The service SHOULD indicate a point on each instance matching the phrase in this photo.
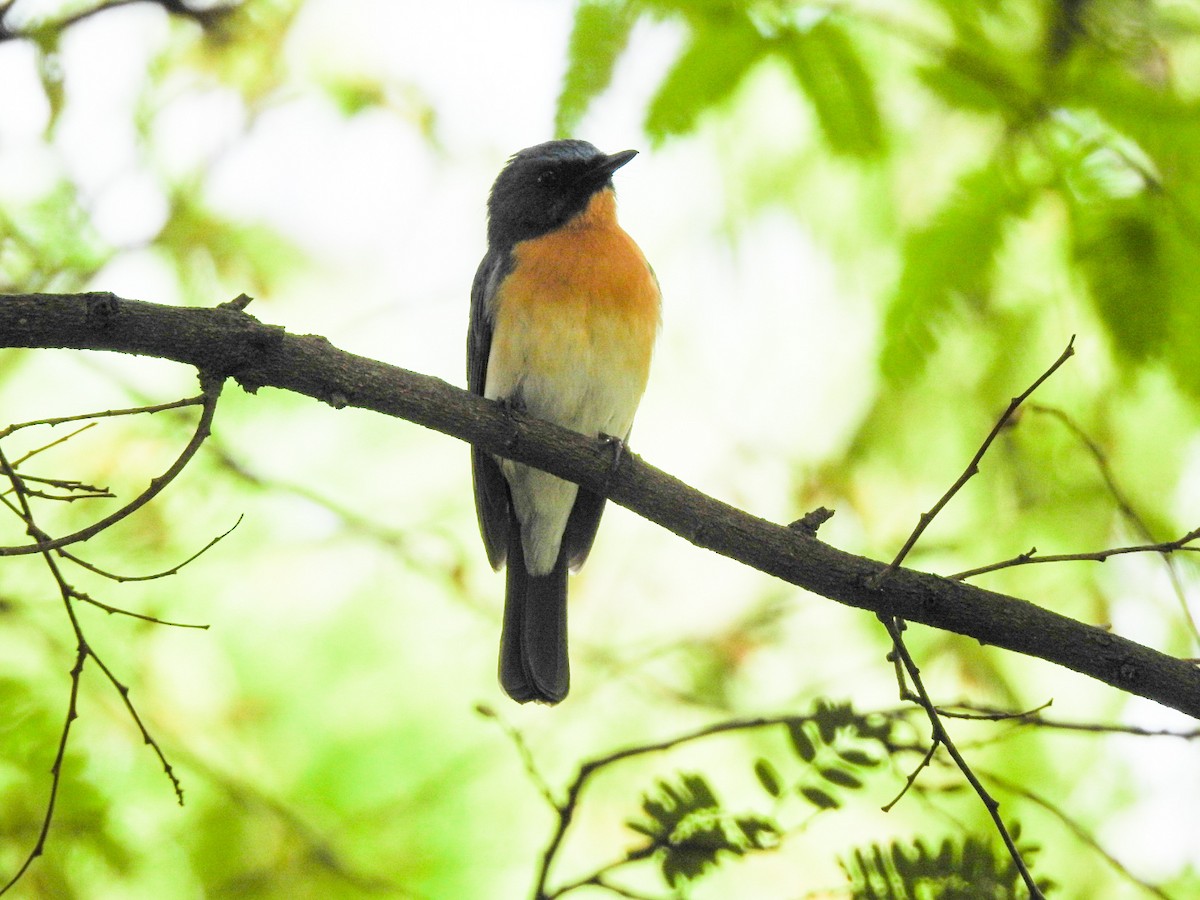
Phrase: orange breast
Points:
(582, 298)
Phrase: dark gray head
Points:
(544, 186)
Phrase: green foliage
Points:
(833, 743)
(831, 73)
(948, 262)
(725, 42)
(223, 52)
(206, 246)
(720, 52)
(967, 869)
(598, 38)
(690, 828)
(686, 824)
(1033, 73)
(49, 243)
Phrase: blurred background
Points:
(873, 223)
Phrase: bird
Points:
(565, 311)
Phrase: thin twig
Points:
(1075, 828)
(566, 809)
(198, 400)
(1031, 718)
(598, 879)
(912, 777)
(82, 597)
(973, 466)
(16, 463)
(45, 546)
(1124, 504)
(939, 735)
(990, 714)
(527, 760)
(203, 428)
(1030, 557)
(120, 579)
(123, 690)
(81, 656)
(903, 660)
(120, 611)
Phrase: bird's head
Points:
(545, 186)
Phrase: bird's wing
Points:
(491, 490)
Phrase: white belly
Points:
(583, 373)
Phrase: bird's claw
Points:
(616, 446)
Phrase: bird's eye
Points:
(549, 177)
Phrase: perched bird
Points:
(564, 313)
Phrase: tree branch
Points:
(227, 342)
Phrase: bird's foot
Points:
(616, 447)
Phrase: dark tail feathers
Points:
(533, 642)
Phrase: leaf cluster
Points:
(687, 825)
(689, 828)
(960, 869)
(726, 42)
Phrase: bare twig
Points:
(1034, 719)
(1030, 557)
(904, 662)
(912, 777)
(939, 735)
(526, 755)
(112, 576)
(973, 466)
(16, 463)
(50, 551)
(1124, 504)
(1076, 829)
(198, 400)
(83, 652)
(203, 428)
(120, 611)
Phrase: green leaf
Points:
(948, 260)
(354, 94)
(1183, 352)
(830, 72)
(961, 869)
(965, 81)
(768, 777)
(819, 798)
(841, 777)
(829, 717)
(1121, 253)
(673, 804)
(50, 70)
(690, 856)
(856, 757)
(721, 51)
(598, 37)
(805, 748)
(759, 833)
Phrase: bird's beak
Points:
(602, 168)
(609, 164)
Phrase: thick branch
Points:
(227, 342)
